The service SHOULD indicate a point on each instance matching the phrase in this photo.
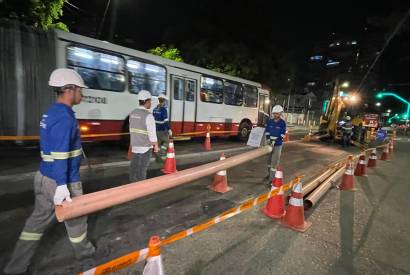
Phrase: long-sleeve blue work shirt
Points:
(276, 128)
(161, 118)
(60, 145)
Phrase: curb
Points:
(85, 168)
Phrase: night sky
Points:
(260, 26)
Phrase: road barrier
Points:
(140, 255)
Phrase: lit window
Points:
(212, 90)
(354, 42)
(100, 70)
(144, 76)
(312, 83)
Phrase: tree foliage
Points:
(168, 52)
(43, 14)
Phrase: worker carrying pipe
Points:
(275, 132)
(59, 177)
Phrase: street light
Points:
(345, 84)
(389, 110)
(378, 104)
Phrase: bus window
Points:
(250, 96)
(144, 76)
(233, 94)
(190, 90)
(211, 90)
(178, 88)
(99, 70)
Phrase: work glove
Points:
(170, 132)
(61, 194)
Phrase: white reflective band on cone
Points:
(362, 162)
(171, 155)
(207, 135)
(373, 157)
(349, 172)
(189, 232)
(221, 173)
(90, 272)
(296, 202)
(222, 158)
(78, 239)
(217, 220)
(297, 188)
(171, 145)
(27, 236)
(279, 174)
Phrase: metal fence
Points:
(27, 57)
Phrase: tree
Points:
(168, 52)
(43, 14)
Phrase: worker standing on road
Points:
(164, 132)
(347, 128)
(58, 179)
(275, 132)
(143, 137)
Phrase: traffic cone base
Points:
(220, 183)
(294, 217)
(303, 225)
(361, 167)
(275, 212)
(275, 207)
(372, 159)
(347, 178)
(170, 165)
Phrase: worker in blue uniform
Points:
(164, 131)
(58, 179)
(275, 132)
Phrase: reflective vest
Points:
(138, 128)
(60, 145)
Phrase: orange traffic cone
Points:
(348, 179)
(153, 264)
(391, 147)
(207, 144)
(170, 165)
(361, 166)
(275, 208)
(286, 138)
(385, 154)
(295, 214)
(129, 153)
(372, 159)
(220, 183)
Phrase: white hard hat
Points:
(144, 95)
(277, 109)
(348, 118)
(162, 95)
(63, 77)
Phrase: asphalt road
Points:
(361, 232)
(125, 228)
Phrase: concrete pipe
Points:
(315, 196)
(93, 202)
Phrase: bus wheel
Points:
(244, 131)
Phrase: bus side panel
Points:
(27, 57)
(222, 117)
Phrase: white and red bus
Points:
(198, 97)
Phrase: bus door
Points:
(183, 110)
